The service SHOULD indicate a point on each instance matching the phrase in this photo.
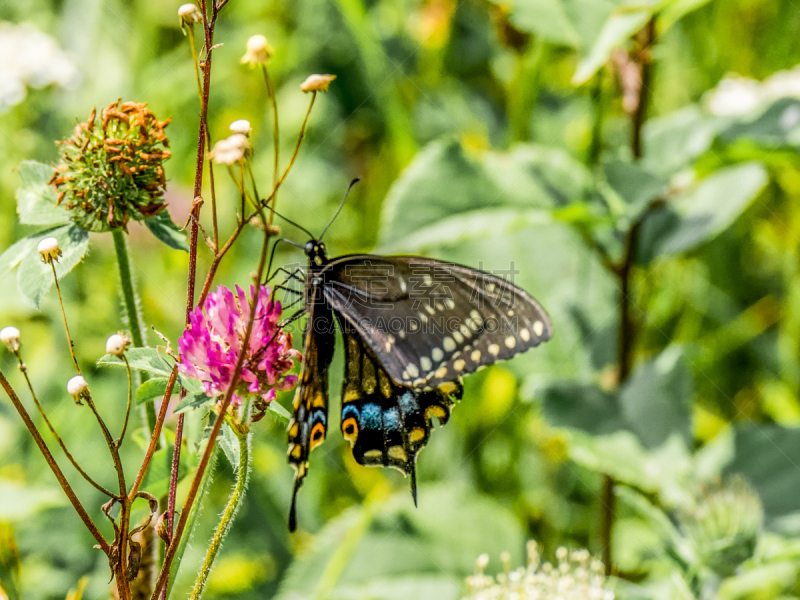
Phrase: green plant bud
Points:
(725, 525)
(111, 169)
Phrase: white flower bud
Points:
(190, 14)
(241, 126)
(258, 51)
(317, 83)
(10, 337)
(117, 344)
(49, 250)
(77, 388)
(230, 150)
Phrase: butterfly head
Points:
(315, 250)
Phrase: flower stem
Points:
(40, 408)
(64, 315)
(129, 296)
(276, 140)
(234, 502)
(130, 399)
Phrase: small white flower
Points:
(10, 337)
(317, 83)
(49, 250)
(190, 14)
(77, 388)
(258, 51)
(117, 344)
(241, 126)
(230, 150)
(783, 84)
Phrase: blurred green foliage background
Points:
(495, 134)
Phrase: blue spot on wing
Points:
(391, 419)
(370, 417)
(408, 403)
(350, 411)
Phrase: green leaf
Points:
(673, 141)
(149, 360)
(151, 389)
(229, 444)
(34, 277)
(22, 501)
(192, 402)
(637, 186)
(447, 196)
(582, 406)
(545, 18)
(666, 471)
(36, 198)
(167, 231)
(616, 32)
(777, 126)
(701, 214)
(279, 412)
(768, 456)
(160, 471)
(9, 564)
(429, 548)
(675, 10)
(656, 400)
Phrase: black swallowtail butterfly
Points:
(412, 327)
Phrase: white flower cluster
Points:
(735, 95)
(577, 577)
(30, 58)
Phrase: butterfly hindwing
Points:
(430, 322)
(309, 423)
(386, 424)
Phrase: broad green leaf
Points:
(702, 213)
(34, 277)
(673, 141)
(618, 29)
(763, 581)
(429, 546)
(36, 198)
(777, 126)
(656, 400)
(768, 456)
(582, 406)
(22, 501)
(637, 186)
(447, 196)
(229, 444)
(157, 479)
(441, 181)
(167, 231)
(666, 471)
(545, 18)
(192, 402)
(149, 360)
(151, 389)
(279, 412)
(675, 10)
(9, 564)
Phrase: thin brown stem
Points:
(62, 445)
(64, 315)
(276, 140)
(209, 449)
(294, 153)
(51, 462)
(118, 443)
(646, 38)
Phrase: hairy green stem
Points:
(234, 502)
(129, 296)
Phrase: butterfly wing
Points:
(309, 423)
(387, 424)
(429, 322)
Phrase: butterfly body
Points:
(412, 327)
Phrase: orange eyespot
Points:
(317, 435)
(350, 429)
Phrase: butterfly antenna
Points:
(290, 222)
(341, 204)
